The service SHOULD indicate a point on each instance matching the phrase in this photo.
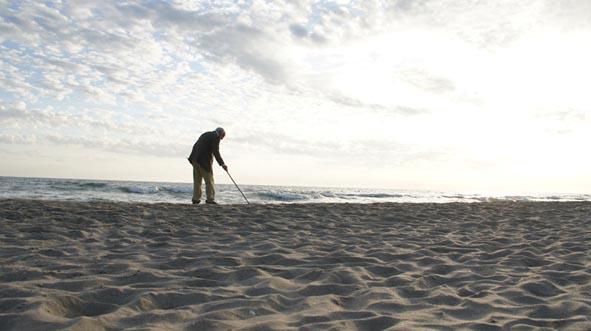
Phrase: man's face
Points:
(222, 135)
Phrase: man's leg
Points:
(197, 179)
(209, 184)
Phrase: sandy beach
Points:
(114, 266)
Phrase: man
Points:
(207, 146)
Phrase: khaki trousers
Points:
(199, 175)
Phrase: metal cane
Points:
(237, 187)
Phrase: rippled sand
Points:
(111, 266)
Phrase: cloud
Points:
(426, 81)
(245, 46)
(13, 110)
(362, 152)
(298, 30)
(114, 51)
(563, 122)
(569, 14)
(18, 115)
(355, 103)
(125, 146)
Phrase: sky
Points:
(454, 95)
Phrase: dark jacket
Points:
(207, 146)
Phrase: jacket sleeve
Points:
(191, 157)
(216, 152)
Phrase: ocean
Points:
(153, 192)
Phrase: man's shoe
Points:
(195, 201)
(211, 202)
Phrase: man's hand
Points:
(225, 167)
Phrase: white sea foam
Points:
(141, 189)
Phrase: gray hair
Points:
(220, 131)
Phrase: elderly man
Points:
(207, 146)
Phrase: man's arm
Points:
(216, 153)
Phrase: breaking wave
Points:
(277, 196)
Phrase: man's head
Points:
(221, 132)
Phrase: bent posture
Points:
(206, 147)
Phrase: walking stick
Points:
(238, 187)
